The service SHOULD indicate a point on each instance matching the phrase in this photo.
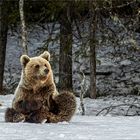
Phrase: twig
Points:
(130, 107)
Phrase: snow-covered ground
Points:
(80, 128)
(88, 127)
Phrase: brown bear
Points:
(36, 98)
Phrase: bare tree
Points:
(3, 39)
(23, 26)
(92, 29)
(82, 93)
(65, 59)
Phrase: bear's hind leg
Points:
(66, 107)
(13, 116)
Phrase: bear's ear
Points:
(24, 59)
(46, 55)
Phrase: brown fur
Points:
(12, 116)
(36, 97)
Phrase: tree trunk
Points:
(3, 40)
(93, 24)
(23, 27)
(65, 56)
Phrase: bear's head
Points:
(36, 69)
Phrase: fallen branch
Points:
(110, 108)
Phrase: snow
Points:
(88, 127)
(80, 128)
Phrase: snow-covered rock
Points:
(116, 67)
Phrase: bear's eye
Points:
(45, 65)
(36, 66)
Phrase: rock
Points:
(136, 80)
(125, 62)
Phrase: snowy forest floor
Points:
(88, 127)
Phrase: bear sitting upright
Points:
(36, 99)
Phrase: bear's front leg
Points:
(25, 106)
(13, 116)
